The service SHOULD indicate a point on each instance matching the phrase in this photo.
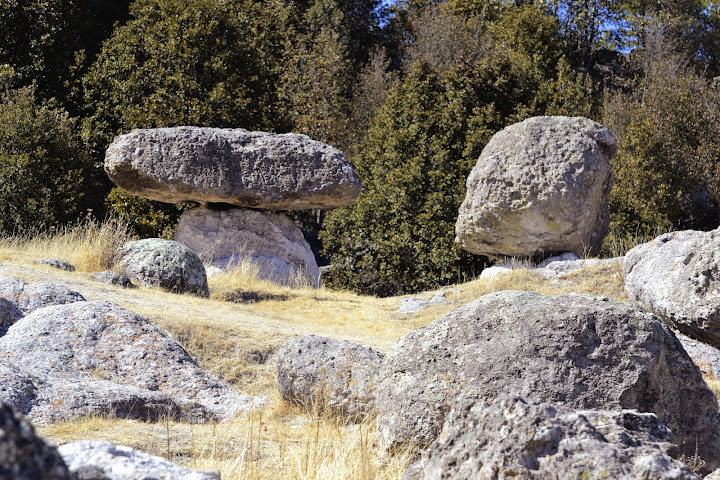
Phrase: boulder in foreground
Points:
(582, 351)
(258, 170)
(530, 440)
(539, 188)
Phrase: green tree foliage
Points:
(46, 176)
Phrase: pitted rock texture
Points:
(586, 352)
(16, 387)
(540, 187)
(28, 297)
(677, 277)
(530, 440)
(270, 240)
(331, 375)
(23, 454)
(154, 262)
(248, 169)
(98, 358)
(92, 460)
(57, 263)
(9, 314)
(113, 278)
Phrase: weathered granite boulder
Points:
(163, 263)
(677, 277)
(16, 387)
(113, 278)
(540, 187)
(93, 460)
(270, 240)
(531, 440)
(98, 358)
(705, 356)
(249, 169)
(9, 314)
(58, 263)
(579, 350)
(23, 454)
(28, 297)
(330, 375)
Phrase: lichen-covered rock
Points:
(332, 375)
(154, 262)
(531, 440)
(249, 169)
(705, 356)
(9, 314)
(16, 387)
(23, 454)
(57, 263)
(677, 277)
(270, 240)
(579, 350)
(113, 278)
(540, 187)
(99, 358)
(28, 297)
(92, 460)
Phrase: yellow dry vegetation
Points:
(235, 334)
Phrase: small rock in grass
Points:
(57, 263)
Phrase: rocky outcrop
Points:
(28, 297)
(331, 375)
(163, 263)
(531, 440)
(98, 358)
(23, 454)
(248, 169)
(677, 277)
(585, 352)
(91, 460)
(9, 314)
(113, 278)
(540, 187)
(270, 240)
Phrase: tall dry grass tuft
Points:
(90, 245)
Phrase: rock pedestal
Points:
(540, 187)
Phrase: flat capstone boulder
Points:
(93, 460)
(513, 437)
(257, 170)
(166, 264)
(96, 358)
(331, 376)
(271, 241)
(539, 188)
(579, 350)
(23, 454)
(29, 297)
(677, 277)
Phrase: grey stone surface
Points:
(540, 187)
(332, 375)
(677, 277)
(113, 278)
(163, 263)
(530, 440)
(23, 454)
(28, 297)
(57, 263)
(16, 387)
(249, 169)
(714, 475)
(705, 356)
(553, 267)
(9, 314)
(93, 460)
(98, 358)
(414, 305)
(270, 240)
(586, 352)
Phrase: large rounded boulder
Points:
(248, 169)
(170, 265)
(329, 375)
(540, 187)
(530, 440)
(582, 351)
(677, 277)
